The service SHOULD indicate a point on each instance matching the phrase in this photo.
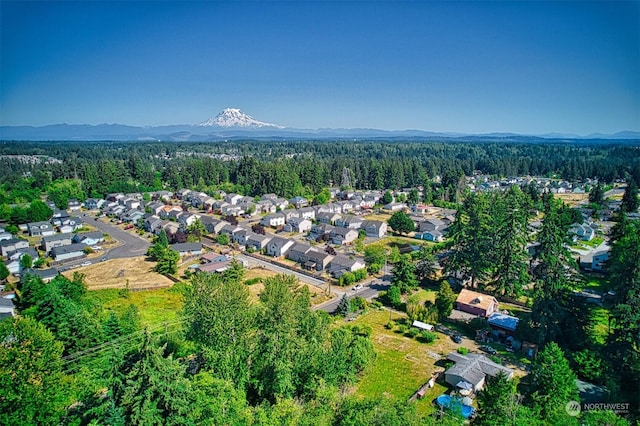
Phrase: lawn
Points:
(402, 364)
(595, 283)
(155, 307)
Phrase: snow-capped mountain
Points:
(233, 117)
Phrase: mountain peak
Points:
(233, 117)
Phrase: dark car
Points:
(488, 349)
(456, 338)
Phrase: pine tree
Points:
(630, 198)
(404, 275)
(511, 271)
(343, 307)
(553, 383)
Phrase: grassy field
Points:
(402, 365)
(116, 273)
(155, 307)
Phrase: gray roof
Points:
(67, 249)
(474, 367)
(42, 273)
(93, 235)
(182, 247)
(11, 242)
(56, 237)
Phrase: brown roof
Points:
(479, 300)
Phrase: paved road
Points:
(132, 245)
(369, 291)
(270, 266)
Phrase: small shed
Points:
(422, 325)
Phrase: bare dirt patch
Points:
(573, 199)
(116, 273)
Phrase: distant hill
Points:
(232, 123)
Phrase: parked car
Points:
(357, 286)
(456, 338)
(488, 349)
(87, 263)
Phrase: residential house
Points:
(130, 203)
(350, 221)
(502, 323)
(273, 220)
(152, 223)
(132, 216)
(70, 224)
(281, 203)
(187, 219)
(290, 214)
(40, 229)
(169, 227)
(374, 228)
(307, 213)
(343, 236)
(582, 232)
(257, 241)
(420, 209)
(46, 275)
(231, 210)
(328, 218)
(13, 258)
(278, 246)
(394, 207)
(4, 235)
(230, 230)
(154, 208)
(474, 303)
(432, 224)
(298, 224)
(473, 370)
(94, 203)
(299, 202)
(213, 257)
(187, 249)
(162, 195)
(115, 196)
(240, 237)
(59, 216)
(317, 260)
(599, 260)
(182, 194)
(233, 198)
(7, 308)
(266, 206)
(212, 224)
(269, 197)
(297, 252)
(71, 251)
(11, 245)
(88, 238)
(319, 230)
(346, 206)
(58, 240)
(433, 236)
(74, 205)
(341, 264)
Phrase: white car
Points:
(87, 263)
(357, 287)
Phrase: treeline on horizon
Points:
(305, 168)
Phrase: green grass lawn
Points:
(595, 283)
(402, 364)
(423, 295)
(600, 325)
(155, 307)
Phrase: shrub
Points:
(402, 328)
(428, 337)
(358, 303)
(413, 332)
(375, 304)
(253, 281)
(462, 350)
(495, 359)
(390, 325)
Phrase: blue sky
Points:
(482, 66)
